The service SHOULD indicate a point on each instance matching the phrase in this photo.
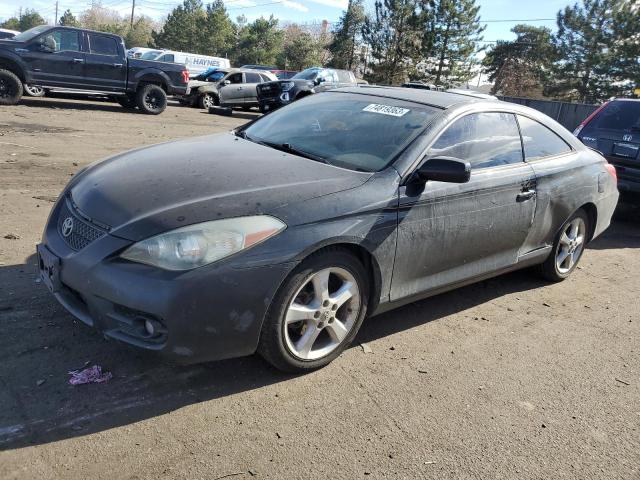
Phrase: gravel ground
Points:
(508, 378)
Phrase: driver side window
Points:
(235, 78)
(483, 139)
(61, 40)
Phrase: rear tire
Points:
(329, 292)
(151, 99)
(10, 88)
(568, 248)
(33, 90)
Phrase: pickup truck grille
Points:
(268, 90)
(77, 233)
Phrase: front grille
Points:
(81, 233)
(269, 91)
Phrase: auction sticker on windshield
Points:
(386, 110)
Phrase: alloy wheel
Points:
(322, 313)
(571, 245)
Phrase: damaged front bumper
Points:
(209, 313)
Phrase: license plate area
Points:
(49, 266)
(626, 150)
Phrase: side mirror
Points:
(443, 169)
(319, 80)
(44, 48)
(226, 82)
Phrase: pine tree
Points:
(259, 42)
(393, 35)
(521, 67)
(453, 31)
(219, 32)
(30, 18)
(301, 50)
(586, 44)
(183, 29)
(343, 47)
(68, 20)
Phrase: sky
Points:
(308, 11)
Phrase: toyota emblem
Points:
(67, 227)
(627, 138)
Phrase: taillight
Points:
(185, 76)
(584, 123)
(612, 171)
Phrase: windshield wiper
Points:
(285, 147)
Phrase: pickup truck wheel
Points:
(33, 90)
(10, 88)
(207, 101)
(127, 102)
(151, 99)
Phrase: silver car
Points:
(226, 87)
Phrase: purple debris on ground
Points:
(89, 375)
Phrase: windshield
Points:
(358, 132)
(308, 74)
(150, 55)
(31, 33)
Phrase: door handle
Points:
(526, 195)
(117, 65)
(78, 60)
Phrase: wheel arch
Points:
(152, 78)
(366, 257)
(14, 67)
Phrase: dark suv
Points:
(614, 130)
(273, 95)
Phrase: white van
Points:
(196, 64)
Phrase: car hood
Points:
(154, 189)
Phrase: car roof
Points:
(432, 98)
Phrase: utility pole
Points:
(133, 7)
(55, 22)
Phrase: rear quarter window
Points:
(540, 141)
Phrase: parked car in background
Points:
(196, 64)
(84, 60)
(226, 87)
(138, 52)
(5, 33)
(281, 74)
(614, 130)
(282, 236)
(150, 54)
(274, 95)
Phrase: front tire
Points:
(316, 313)
(151, 99)
(10, 88)
(207, 100)
(568, 248)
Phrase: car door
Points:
(448, 233)
(250, 87)
(56, 58)
(231, 89)
(105, 66)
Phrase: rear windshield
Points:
(618, 116)
(358, 132)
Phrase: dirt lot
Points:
(509, 378)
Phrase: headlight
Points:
(286, 86)
(203, 243)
